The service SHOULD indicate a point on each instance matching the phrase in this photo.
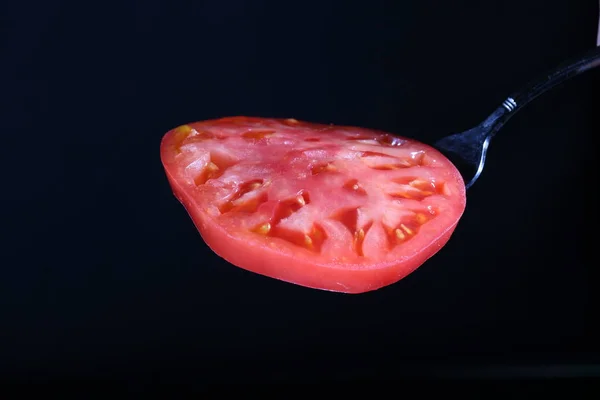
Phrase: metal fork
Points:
(467, 150)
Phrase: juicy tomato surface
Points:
(336, 208)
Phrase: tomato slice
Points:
(335, 208)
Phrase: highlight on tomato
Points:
(335, 208)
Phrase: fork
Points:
(468, 149)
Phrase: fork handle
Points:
(520, 99)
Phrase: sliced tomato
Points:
(336, 208)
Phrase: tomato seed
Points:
(359, 238)
(406, 229)
(399, 234)
(181, 133)
(354, 186)
(360, 234)
(262, 229)
(303, 198)
(421, 218)
(285, 208)
(308, 241)
(183, 130)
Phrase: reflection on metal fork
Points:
(468, 149)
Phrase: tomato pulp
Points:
(336, 208)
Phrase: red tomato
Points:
(328, 207)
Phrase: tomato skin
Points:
(298, 267)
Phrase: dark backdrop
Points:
(104, 275)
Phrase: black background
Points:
(104, 275)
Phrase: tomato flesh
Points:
(335, 208)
